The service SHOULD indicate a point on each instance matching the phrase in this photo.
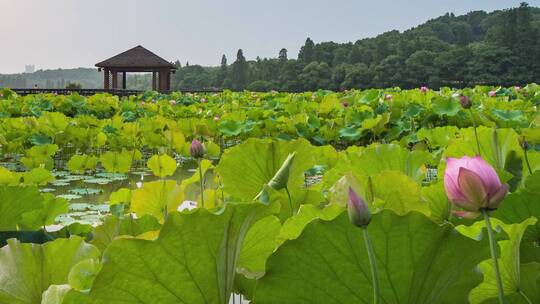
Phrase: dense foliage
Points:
(497, 48)
(271, 190)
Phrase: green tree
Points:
(222, 73)
(239, 72)
(282, 55)
(316, 75)
(307, 52)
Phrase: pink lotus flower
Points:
(142, 103)
(196, 149)
(492, 93)
(203, 100)
(388, 97)
(472, 184)
(517, 88)
(358, 210)
(172, 102)
(424, 89)
(217, 118)
(465, 101)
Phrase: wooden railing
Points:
(88, 92)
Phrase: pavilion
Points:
(137, 59)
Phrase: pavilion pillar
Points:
(168, 87)
(115, 80)
(162, 81)
(124, 80)
(106, 79)
(154, 81)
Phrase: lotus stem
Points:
(373, 266)
(525, 297)
(201, 182)
(475, 132)
(493, 249)
(290, 200)
(527, 161)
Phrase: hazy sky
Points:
(80, 33)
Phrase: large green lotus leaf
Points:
(519, 206)
(509, 263)
(293, 226)
(37, 176)
(418, 262)
(14, 202)
(9, 177)
(113, 227)
(438, 137)
(176, 140)
(531, 134)
(259, 243)
(378, 158)
(51, 207)
(397, 191)
(351, 133)
(531, 183)
(82, 275)
(55, 294)
(117, 162)
(27, 270)
(162, 165)
(231, 128)
(81, 163)
(191, 186)
(122, 195)
(157, 198)
(258, 160)
(506, 139)
(193, 260)
(329, 104)
(53, 122)
(510, 118)
(435, 196)
(298, 198)
(445, 106)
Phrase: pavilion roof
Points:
(137, 57)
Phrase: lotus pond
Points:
(374, 196)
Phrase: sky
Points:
(79, 33)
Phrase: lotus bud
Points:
(492, 94)
(517, 88)
(345, 104)
(358, 210)
(473, 185)
(217, 118)
(281, 178)
(142, 103)
(524, 143)
(424, 89)
(465, 101)
(172, 102)
(196, 149)
(203, 100)
(388, 97)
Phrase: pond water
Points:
(88, 194)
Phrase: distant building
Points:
(29, 69)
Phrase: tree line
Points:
(497, 48)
